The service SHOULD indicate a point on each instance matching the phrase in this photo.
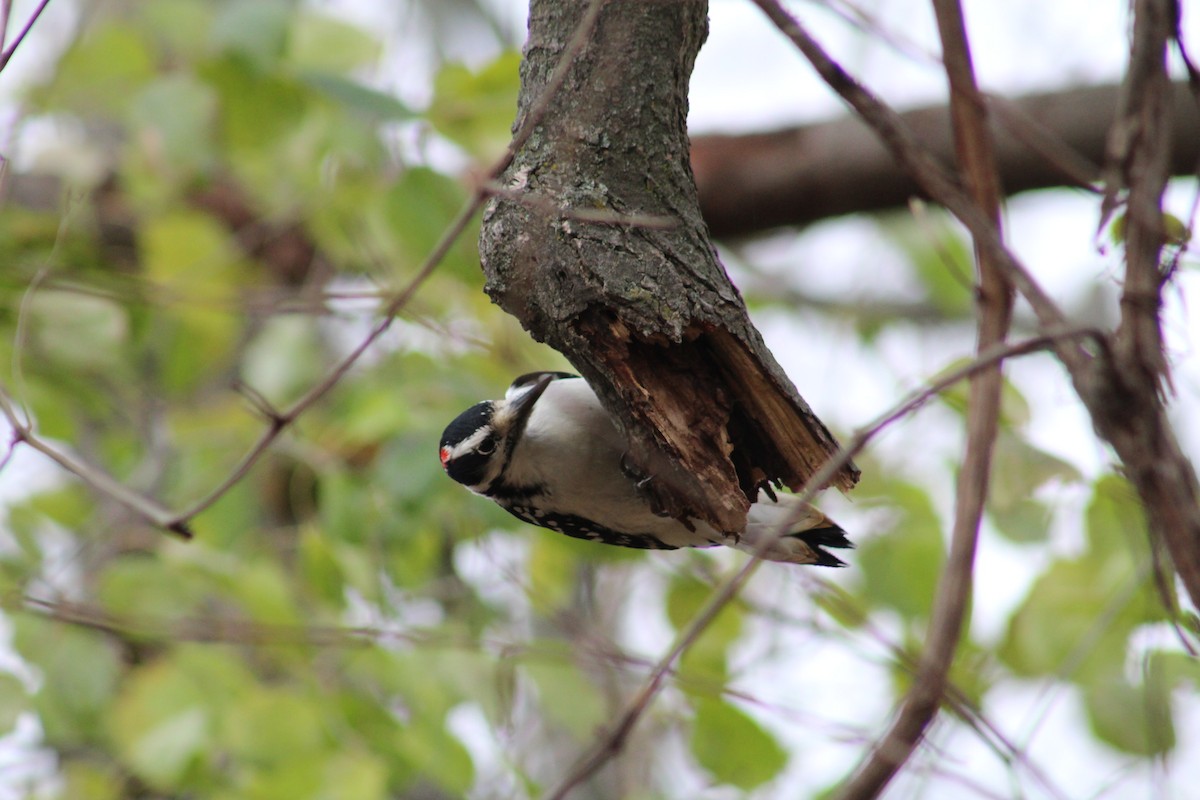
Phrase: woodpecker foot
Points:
(644, 485)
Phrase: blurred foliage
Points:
(344, 608)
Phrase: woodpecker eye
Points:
(487, 446)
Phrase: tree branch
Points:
(178, 522)
(994, 301)
(646, 314)
(1139, 142)
(1125, 412)
(605, 747)
(755, 182)
(9, 51)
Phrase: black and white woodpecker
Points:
(551, 455)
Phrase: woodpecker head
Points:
(477, 445)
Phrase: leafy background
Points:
(236, 192)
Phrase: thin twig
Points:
(956, 698)
(96, 478)
(931, 175)
(179, 521)
(5, 15)
(973, 146)
(13, 440)
(609, 744)
(281, 422)
(7, 55)
(1125, 411)
(478, 198)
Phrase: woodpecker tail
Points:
(808, 532)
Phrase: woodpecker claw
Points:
(642, 483)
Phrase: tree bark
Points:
(645, 313)
(755, 182)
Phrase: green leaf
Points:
(1019, 469)
(134, 584)
(326, 44)
(190, 249)
(733, 747)
(173, 119)
(294, 777)
(69, 507)
(1116, 525)
(277, 362)
(369, 103)
(706, 658)
(84, 780)
(1134, 719)
(319, 568)
(14, 701)
(257, 111)
(566, 695)
(181, 28)
(98, 74)
(162, 724)
(476, 109)
(1024, 522)
(1116, 229)
(553, 570)
(1014, 408)
(266, 594)
(1176, 232)
(417, 209)
(1077, 619)
(437, 756)
(1177, 668)
(79, 671)
(354, 774)
(61, 322)
(270, 726)
(343, 506)
(900, 566)
(942, 260)
(256, 31)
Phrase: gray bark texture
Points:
(645, 313)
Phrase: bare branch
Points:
(754, 182)
(96, 478)
(178, 522)
(7, 55)
(1139, 142)
(994, 300)
(608, 745)
(1125, 411)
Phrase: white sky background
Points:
(749, 78)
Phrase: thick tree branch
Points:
(755, 182)
(647, 315)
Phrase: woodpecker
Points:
(550, 454)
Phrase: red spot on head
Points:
(444, 454)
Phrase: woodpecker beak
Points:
(521, 406)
